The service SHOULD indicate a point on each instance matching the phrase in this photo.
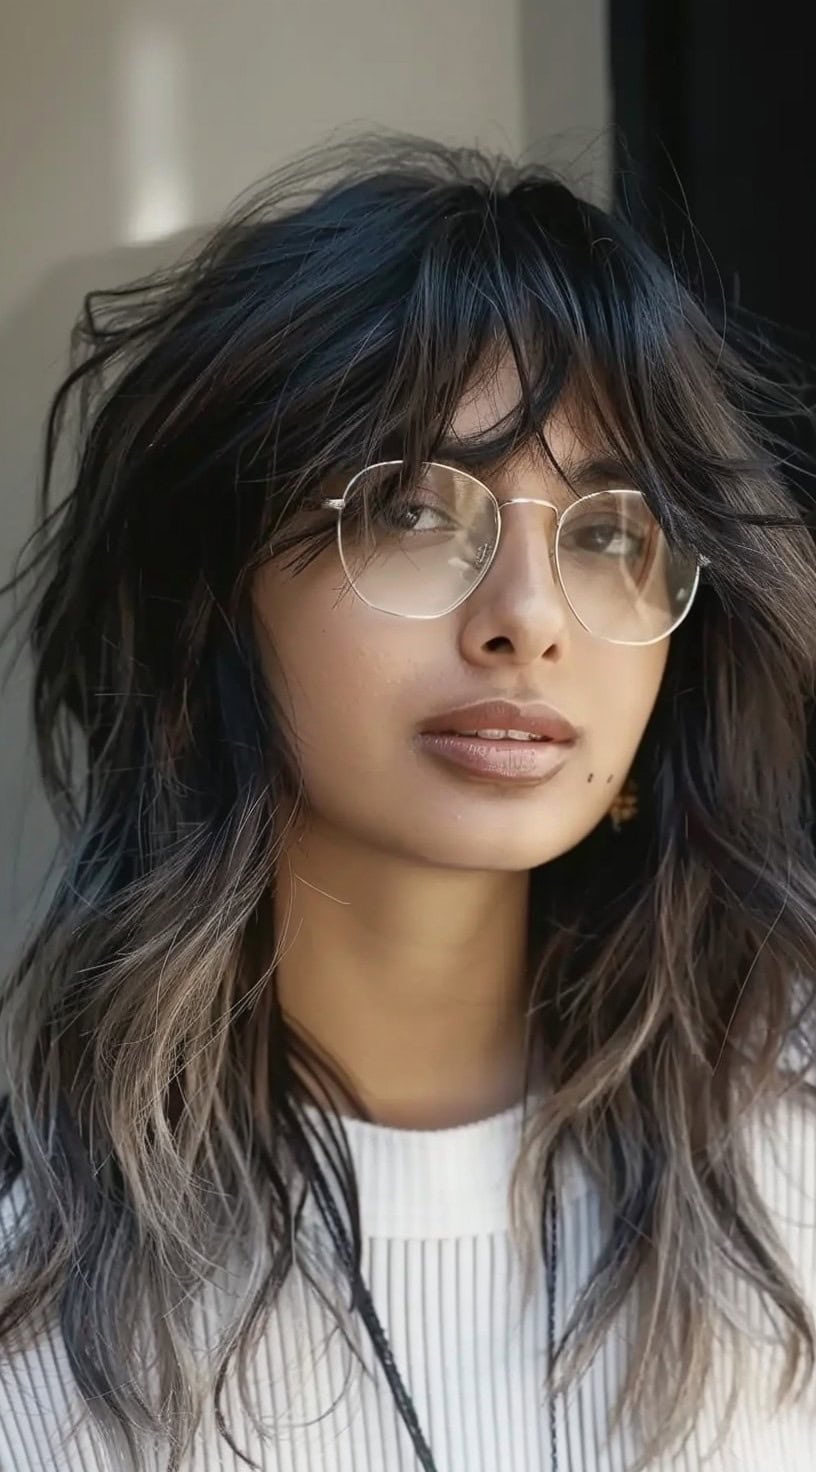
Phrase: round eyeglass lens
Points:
(417, 548)
(620, 575)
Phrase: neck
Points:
(409, 981)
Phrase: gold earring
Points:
(625, 806)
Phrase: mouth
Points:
(501, 741)
(499, 735)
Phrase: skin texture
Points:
(403, 898)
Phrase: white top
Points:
(443, 1275)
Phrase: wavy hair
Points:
(154, 1113)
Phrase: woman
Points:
(414, 1065)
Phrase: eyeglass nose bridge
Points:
(487, 551)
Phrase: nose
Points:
(519, 606)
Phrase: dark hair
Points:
(154, 1106)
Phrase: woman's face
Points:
(360, 685)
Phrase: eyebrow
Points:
(589, 472)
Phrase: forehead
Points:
(489, 399)
(578, 451)
(493, 398)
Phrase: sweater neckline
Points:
(435, 1183)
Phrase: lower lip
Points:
(509, 761)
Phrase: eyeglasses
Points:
(419, 549)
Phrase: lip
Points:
(504, 715)
(507, 760)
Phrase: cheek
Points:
(335, 672)
(625, 692)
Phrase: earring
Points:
(625, 806)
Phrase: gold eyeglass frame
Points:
(338, 504)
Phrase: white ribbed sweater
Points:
(443, 1276)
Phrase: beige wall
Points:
(124, 124)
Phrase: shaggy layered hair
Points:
(155, 1107)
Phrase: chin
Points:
(509, 848)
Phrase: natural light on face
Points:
(358, 683)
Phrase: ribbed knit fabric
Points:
(446, 1286)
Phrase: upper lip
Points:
(504, 715)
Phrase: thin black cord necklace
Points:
(403, 1401)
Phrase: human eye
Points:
(391, 506)
(608, 528)
(414, 514)
(609, 539)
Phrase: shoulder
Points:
(780, 1137)
(780, 1126)
(14, 1207)
(42, 1417)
